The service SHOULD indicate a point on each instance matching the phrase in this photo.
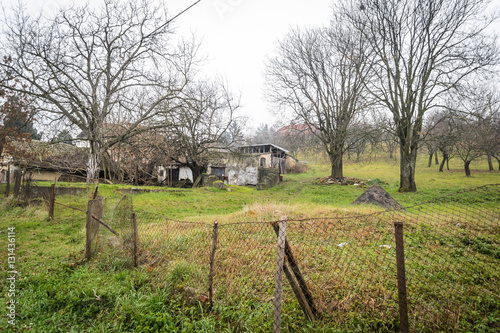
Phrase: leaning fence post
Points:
(136, 239)
(212, 263)
(278, 289)
(88, 231)
(52, 201)
(400, 257)
(303, 294)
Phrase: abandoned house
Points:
(260, 165)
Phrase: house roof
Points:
(295, 128)
(52, 156)
(262, 148)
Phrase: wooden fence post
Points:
(278, 289)
(212, 263)
(52, 201)
(88, 231)
(302, 292)
(400, 257)
(136, 239)
(94, 210)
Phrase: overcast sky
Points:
(237, 38)
(239, 35)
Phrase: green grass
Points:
(58, 291)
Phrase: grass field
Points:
(58, 292)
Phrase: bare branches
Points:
(92, 66)
(420, 52)
(318, 75)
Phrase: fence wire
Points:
(452, 256)
(112, 243)
(178, 249)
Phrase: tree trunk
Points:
(445, 158)
(93, 163)
(18, 175)
(136, 179)
(430, 159)
(196, 170)
(7, 188)
(336, 163)
(467, 168)
(407, 171)
(490, 163)
(436, 157)
(498, 160)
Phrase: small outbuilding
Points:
(259, 165)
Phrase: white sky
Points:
(237, 38)
(239, 35)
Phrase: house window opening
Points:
(219, 172)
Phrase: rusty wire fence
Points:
(175, 248)
(348, 263)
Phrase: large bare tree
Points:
(318, 76)
(200, 124)
(421, 50)
(91, 66)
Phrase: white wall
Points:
(185, 172)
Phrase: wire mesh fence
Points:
(175, 248)
(348, 263)
(452, 255)
(110, 230)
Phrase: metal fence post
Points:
(400, 257)
(278, 289)
(212, 263)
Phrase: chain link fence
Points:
(347, 263)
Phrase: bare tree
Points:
(296, 138)
(201, 124)
(445, 136)
(318, 76)
(475, 117)
(88, 66)
(421, 49)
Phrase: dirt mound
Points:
(376, 195)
